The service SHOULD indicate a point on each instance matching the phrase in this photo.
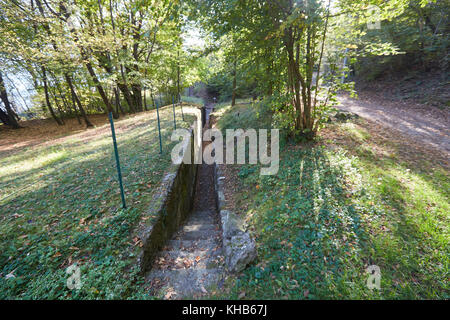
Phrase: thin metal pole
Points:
(174, 118)
(159, 128)
(181, 104)
(116, 152)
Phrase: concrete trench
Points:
(191, 263)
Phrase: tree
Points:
(7, 117)
(298, 31)
(118, 47)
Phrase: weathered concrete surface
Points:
(191, 264)
(172, 204)
(239, 247)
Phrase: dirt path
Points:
(191, 263)
(425, 124)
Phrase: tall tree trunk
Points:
(145, 100)
(233, 96)
(64, 100)
(47, 97)
(294, 79)
(76, 99)
(118, 104)
(105, 63)
(12, 121)
(66, 75)
(89, 66)
(122, 86)
(4, 118)
(127, 95)
(137, 96)
(75, 111)
(178, 76)
(72, 108)
(61, 114)
(99, 87)
(270, 80)
(16, 116)
(153, 98)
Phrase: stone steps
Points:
(192, 261)
(198, 226)
(180, 259)
(203, 217)
(191, 245)
(185, 283)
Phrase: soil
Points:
(425, 124)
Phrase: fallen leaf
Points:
(187, 263)
(306, 293)
(170, 294)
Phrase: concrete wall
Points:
(174, 201)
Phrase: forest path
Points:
(425, 124)
(192, 263)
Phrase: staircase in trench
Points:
(191, 264)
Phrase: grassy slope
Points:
(63, 206)
(348, 201)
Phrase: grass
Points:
(347, 201)
(60, 205)
(192, 100)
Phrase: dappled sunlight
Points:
(69, 190)
(38, 162)
(352, 199)
(432, 130)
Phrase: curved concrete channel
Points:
(191, 264)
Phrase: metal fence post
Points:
(181, 104)
(159, 128)
(174, 118)
(116, 152)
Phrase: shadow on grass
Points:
(71, 214)
(324, 219)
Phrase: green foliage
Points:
(412, 34)
(275, 50)
(333, 214)
(61, 205)
(193, 100)
(118, 47)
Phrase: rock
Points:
(239, 247)
(231, 224)
(220, 200)
(240, 250)
(343, 116)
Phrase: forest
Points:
(359, 90)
